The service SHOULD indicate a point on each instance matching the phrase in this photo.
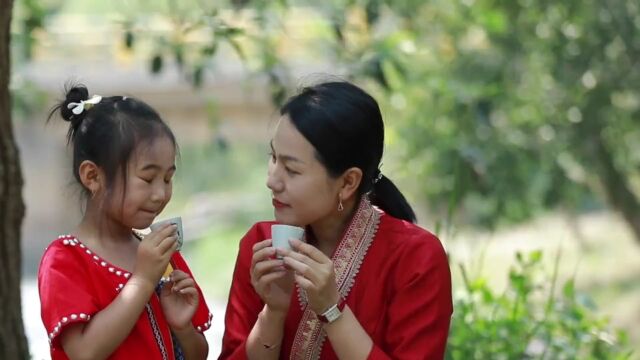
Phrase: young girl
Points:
(100, 289)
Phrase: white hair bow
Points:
(78, 108)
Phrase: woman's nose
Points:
(273, 181)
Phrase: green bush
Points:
(530, 319)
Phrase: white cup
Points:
(178, 222)
(280, 235)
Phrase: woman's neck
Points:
(328, 232)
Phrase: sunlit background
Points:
(512, 127)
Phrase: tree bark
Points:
(615, 185)
(13, 342)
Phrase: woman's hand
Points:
(179, 299)
(314, 272)
(270, 279)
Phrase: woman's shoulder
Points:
(406, 232)
(409, 239)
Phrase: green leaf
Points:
(535, 256)
(569, 289)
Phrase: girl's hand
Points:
(179, 299)
(154, 253)
(315, 273)
(270, 279)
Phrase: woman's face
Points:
(303, 192)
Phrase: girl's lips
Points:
(278, 205)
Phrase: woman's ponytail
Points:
(387, 197)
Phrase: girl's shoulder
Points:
(62, 249)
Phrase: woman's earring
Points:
(340, 207)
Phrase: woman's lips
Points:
(278, 205)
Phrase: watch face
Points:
(333, 314)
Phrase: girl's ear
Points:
(91, 177)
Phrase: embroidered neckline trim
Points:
(347, 259)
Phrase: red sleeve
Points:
(244, 303)
(65, 289)
(420, 309)
(201, 320)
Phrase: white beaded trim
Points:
(70, 240)
(206, 325)
(66, 320)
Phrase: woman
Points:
(367, 283)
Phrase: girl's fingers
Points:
(156, 237)
(168, 244)
(189, 291)
(183, 284)
(178, 275)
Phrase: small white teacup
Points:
(280, 235)
(178, 222)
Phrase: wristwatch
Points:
(332, 313)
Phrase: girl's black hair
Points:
(107, 133)
(345, 126)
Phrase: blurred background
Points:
(512, 127)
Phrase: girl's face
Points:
(148, 186)
(303, 192)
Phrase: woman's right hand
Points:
(154, 252)
(270, 279)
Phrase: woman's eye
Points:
(291, 172)
(148, 181)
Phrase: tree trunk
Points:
(13, 343)
(617, 189)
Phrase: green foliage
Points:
(531, 319)
(29, 17)
(504, 108)
(511, 105)
(194, 36)
(508, 107)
